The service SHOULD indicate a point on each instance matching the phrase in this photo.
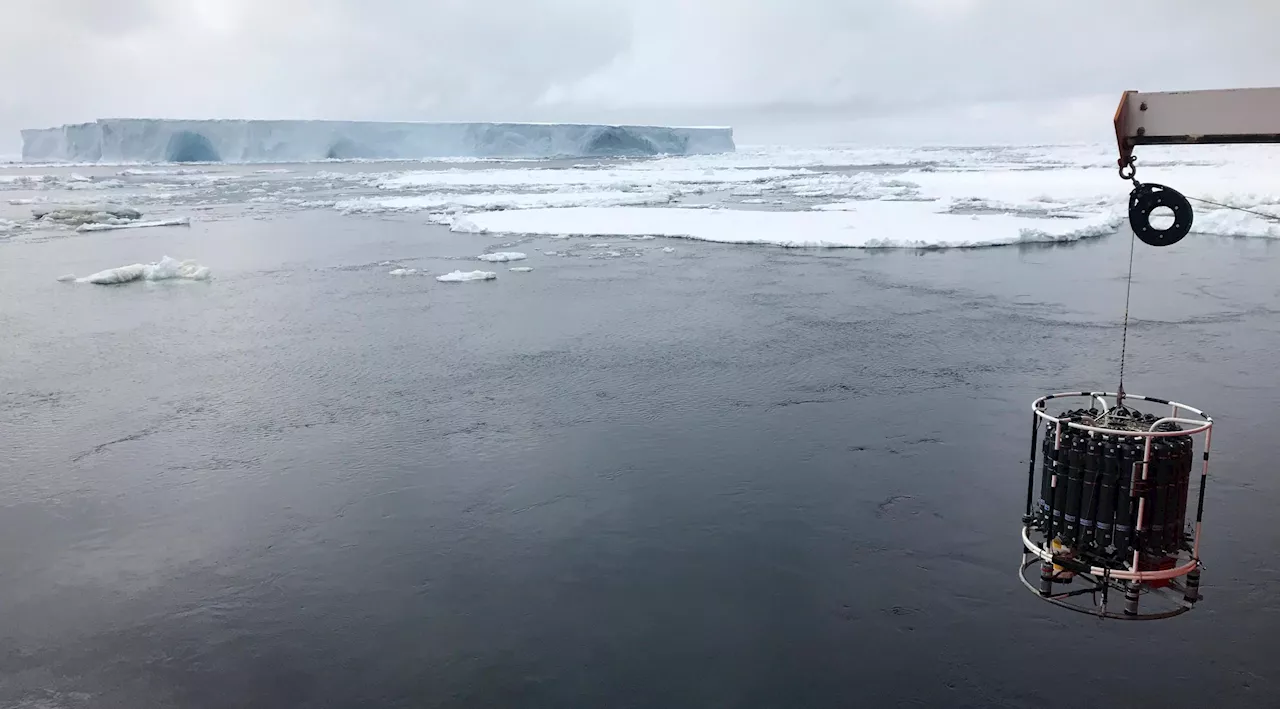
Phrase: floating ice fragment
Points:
(183, 221)
(503, 256)
(464, 276)
(402, 272)
(75, 216)
(163, 270)
(520, 269)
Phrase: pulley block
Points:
(1148, 197)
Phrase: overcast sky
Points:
(914, 71)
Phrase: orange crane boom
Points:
(1196, 117)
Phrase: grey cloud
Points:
(758, 63)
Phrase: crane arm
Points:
(1186, 117)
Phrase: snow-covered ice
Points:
(181, 221)
(668, 250)
(503, 256)
(158, 140)
(874, 224)
(163, 270)
(402, 272)
(464, 276)
(520, 269)
(1226, 222)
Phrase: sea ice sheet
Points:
(874, 224)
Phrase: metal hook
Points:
(1132, 168)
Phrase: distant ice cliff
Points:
(148, 140)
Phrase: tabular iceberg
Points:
(157, 140)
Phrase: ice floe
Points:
(872, 224)
(181, 221)
(163, 270)
(503, 256)
(80, 215)
(464, 276)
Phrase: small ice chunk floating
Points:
(1112, 532)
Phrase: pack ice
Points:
(162, 140)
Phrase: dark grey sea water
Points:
(731, 476)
